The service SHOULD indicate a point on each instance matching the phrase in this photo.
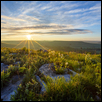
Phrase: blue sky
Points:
(51, 20)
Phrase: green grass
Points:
(77, 46)
(81, 88)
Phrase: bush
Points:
(80, 88)
(2, 58)
(22, 69)
(59, 69)
(12, 69)
(60, 90)
(88, 59)
(27, 92)
(4, 78)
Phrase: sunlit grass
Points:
(82, 87)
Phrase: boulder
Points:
(15, 79)
(45, 51)
(98, 98)
(46, 69)
(12, 53)
(42, 84)
(41, 50)
(8, 90)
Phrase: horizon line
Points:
(54, 40)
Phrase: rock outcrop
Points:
(8, 90)
(46, 69)
(4, 67)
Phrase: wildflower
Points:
(58, 54)
(61, 55)
(66, 63)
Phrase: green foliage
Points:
(59, 69)
(27, 92)
(4, 78)
(82, 87)
(12, 69)
(22, 69)
(2, 58)
(67, 91)
(9, 60)
(88, 59)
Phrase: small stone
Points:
(45, 51)
(97, 97)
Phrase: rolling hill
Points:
(77, 46)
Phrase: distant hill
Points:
(95, 42)
(7, 45)
(77, 46)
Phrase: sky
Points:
(51, 20)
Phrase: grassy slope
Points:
(80, 88)
(3, 44)
(58, 45)
(95, 42)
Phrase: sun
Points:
(29, 37)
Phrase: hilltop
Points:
(77, 46)
(50, 69)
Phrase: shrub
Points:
(4, 78)
(2, 58)
(88, 59)
(27, 92)
(60, 90)
(22, 69)
(59, 69)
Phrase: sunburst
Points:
(28, 37)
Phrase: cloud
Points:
(28, 17)
(41, 26)
(11, 18)
(51, 29)
(97, 6)
(64, 32)
(76, 11)
(66, 5)
(3, 22)
(33, 13)
(55, 18)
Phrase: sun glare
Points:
(29, 37)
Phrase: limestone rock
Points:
(41, 83)
(12, 53)
(46, 69)
(45, 51)
(8, 90)
(98, 98)
(17, 62)
(3, 67)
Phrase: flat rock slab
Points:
(17, 62)
(12, 53)
(8, 90)
(4, 67)
(41, 83)
(46, 70)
